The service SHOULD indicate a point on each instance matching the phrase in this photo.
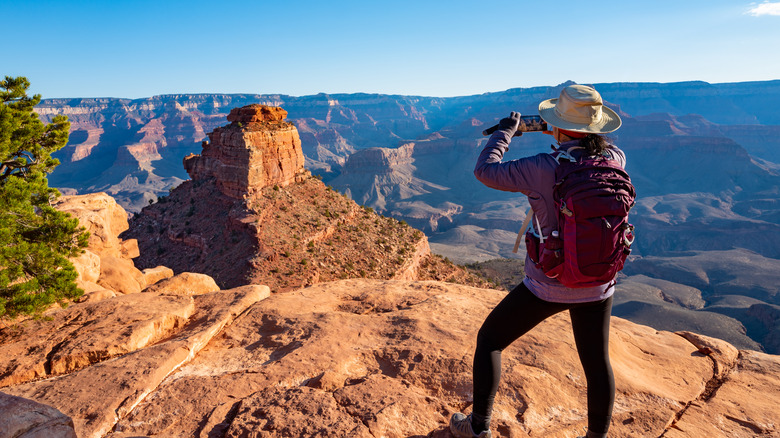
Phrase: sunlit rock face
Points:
(258, 149)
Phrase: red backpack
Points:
(593, 196)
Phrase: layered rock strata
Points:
(253, 214)
(256, 150)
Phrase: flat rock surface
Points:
(369, 358)
(393, 358)
(746, 404)
(97, 396)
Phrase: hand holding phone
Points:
(527, 124)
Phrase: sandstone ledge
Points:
(393, 358)
(86, 333)
(369, 358)
(96, 397)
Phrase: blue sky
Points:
(133, 49)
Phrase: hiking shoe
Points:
(586, 434)
(460, 426)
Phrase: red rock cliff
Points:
(258, 149)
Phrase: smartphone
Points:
(532, 123)
(527, 124)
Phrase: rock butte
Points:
(150, 353)
(256, 150)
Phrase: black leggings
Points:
(519, 312)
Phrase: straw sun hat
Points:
(579, 108)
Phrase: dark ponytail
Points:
(594, 144)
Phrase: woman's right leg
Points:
(590, 323)
(515, 315)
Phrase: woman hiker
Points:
(578, 119)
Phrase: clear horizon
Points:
(382, 94)
(124, 49)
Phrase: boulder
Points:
(22, 418)
(88, 266)
(88, 286)
(120, 275)
(153, 275)
(101, 216)
(107, 260)
(129, 248)
(184, 284)
(96, 295)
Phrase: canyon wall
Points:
(703, 157)
(253, 214)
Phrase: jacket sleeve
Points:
(510, 176)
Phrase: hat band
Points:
(573, 134)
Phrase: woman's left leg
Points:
(516, 314)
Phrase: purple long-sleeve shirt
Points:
(534, 177)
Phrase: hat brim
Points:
(610, 121)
